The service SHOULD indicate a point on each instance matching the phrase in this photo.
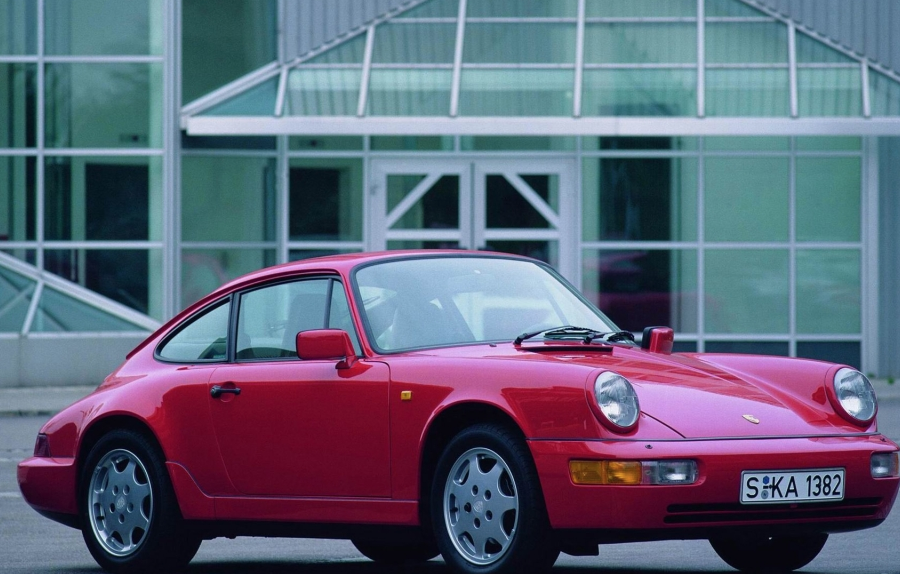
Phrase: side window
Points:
(204, 338)
(269, 318)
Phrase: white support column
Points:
(866, 101)
(579, 61)
(457, 59)
(701, 59)
(366, 71)
(792, 67)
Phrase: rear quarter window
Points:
(202, 338)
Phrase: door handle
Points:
(218, 391)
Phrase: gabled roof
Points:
(592, 67)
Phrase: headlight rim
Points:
(838, 405)
(597, 409)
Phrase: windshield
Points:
(430, 302)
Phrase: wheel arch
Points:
(100, 427)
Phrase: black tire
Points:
(504, 499)
(131, 522)
(769, 554)
(393, 554)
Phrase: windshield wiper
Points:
(613, 337)
(570, 330)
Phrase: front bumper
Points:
(712, 504)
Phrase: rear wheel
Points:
(769, 554)
(487, 508)
(130, 517)
(399, 553)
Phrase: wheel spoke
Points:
(120, 496)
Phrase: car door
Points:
(299, 428)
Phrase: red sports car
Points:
(467, 404)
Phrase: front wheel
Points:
(130, 518)
(769, 554)
(487, 507)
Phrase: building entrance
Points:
(527, 207)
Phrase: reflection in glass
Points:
(641, 288)
(130, 276)
(640, 199)
(644, 92)
(414, 44)
(15, 298)
(322, 92)
(18, 32)
(103, 198)
(644, 43)
(746, 42)
(126, 112)
(829, 92)
(519, 43)
(103, 27)
(17, 114)
(203, 270)
(828, 291)
(326, 200)
(412, 92)
(841, 352)
(17, 198)
(746, 198)
(746, 291)
(747, 92)
(227, 198)
(828, 198)
(511, 92)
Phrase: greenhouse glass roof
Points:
(566, 67)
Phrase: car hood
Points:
(706, 395)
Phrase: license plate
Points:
(773, 486)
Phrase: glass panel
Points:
(828, 198)
(508, 209)
(434, 9)
(639, 93)
(885, 94)
(638, 143)
(516, 143)
(340, 316)
(18, 31)
(256, 101)
(103, 27)
(730, 9)
(684, 346)
(747, 93)
(349, 51)
(17, 116)
(512, 92)
(746, 198)
(298, 254)
(227, 142)
(312, 92)
(15, 298)
(204, 338)
(519, 43)
(835, 143)
(810, 50)
(412, 143)
(648, 199)
(224, 39)
(748, 347)
(829, 92)
(17, 198)
(270, 318)
(409, 92)
(103, 198)
(828, 291)
(59, 313)
(127, 112)
(27, 255)
(728, 143)
(228, 198)
(437, 209)
(631, 43)
(132, 277)
(522, 8)
(395, 245)
(326, 199)
(414, 43)
(841, 352)
(640, 8)
(547, 251)
(203, 270)
(640, 288)
(325, 143)
(746, 291)
(746, 43)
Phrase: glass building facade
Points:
(705, 164)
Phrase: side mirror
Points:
(658, 340)
(323, 344)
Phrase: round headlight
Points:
(617, 400)
(855, 395)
